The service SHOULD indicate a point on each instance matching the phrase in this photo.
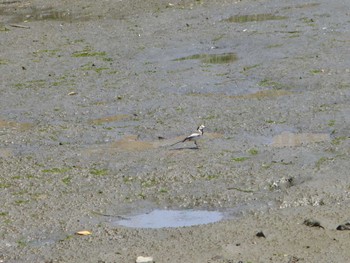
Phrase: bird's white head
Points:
(201, 128)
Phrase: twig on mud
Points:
(19, 26)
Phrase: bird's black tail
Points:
(175, 143)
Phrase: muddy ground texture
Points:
(93, 93)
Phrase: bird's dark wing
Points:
(192, 136)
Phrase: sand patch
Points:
(131, 143)
(113, 118)
(286, 139)
(15, 125)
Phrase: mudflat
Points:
(93, 93)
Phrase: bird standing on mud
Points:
(194, 136)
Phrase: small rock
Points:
(312, 223)
(345, 226)
(83, 233)
(293, 259)
(142, 259)
(260, 234)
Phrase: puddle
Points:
(211, 58)
(254, 18)
(171, 218)
(286, 139)
(113, 118)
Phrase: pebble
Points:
(260, 234)
(312, 223)
(142, 259)
(346, 226)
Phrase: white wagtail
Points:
(194, 136)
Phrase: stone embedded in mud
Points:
(286, 139)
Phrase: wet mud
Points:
(93, 94)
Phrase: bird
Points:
(194, 136)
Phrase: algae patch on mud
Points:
(262, 94)
(211, 58)
(302, 6)
(88, 53)
(254, 18)
(47, 14)
(288, 139)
